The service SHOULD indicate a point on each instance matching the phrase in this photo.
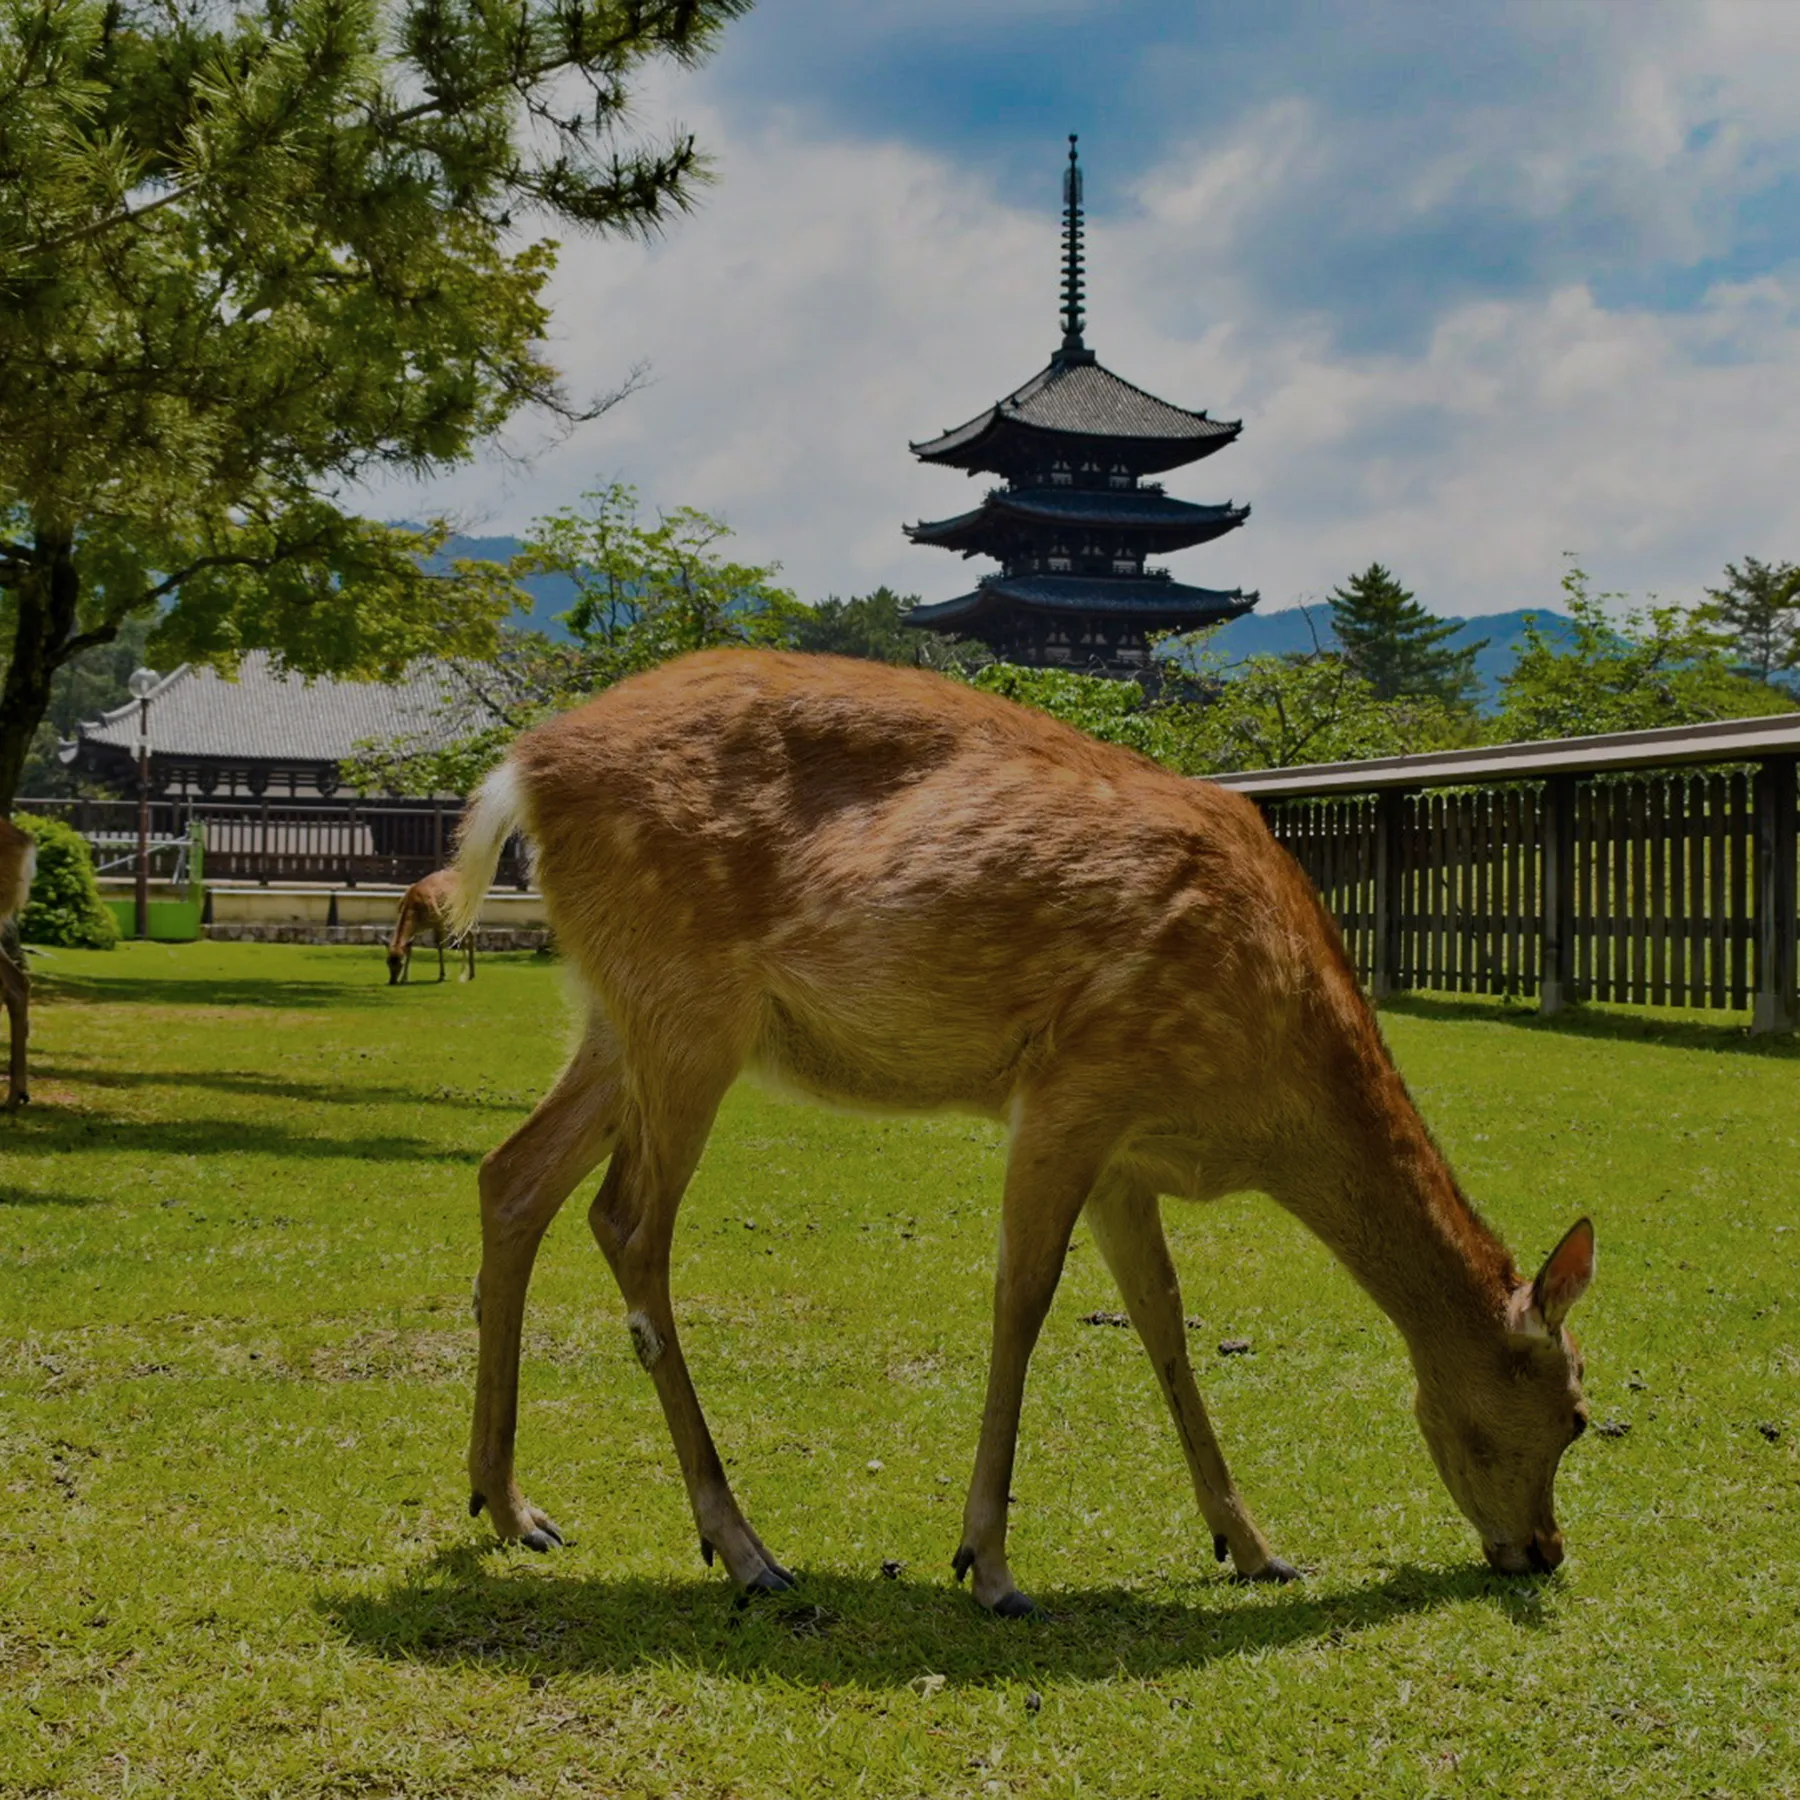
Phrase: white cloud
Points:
(833, 299)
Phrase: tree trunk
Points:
(48, 594)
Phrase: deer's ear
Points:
(1565, 1275)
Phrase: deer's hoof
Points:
(1013, 1606)
(541, 1537)
(1273, 1570)
(771, 1578)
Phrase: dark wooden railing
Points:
(1610, 869)
(342, 843)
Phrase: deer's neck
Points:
(1368, 1180)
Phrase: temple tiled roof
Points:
(1154, 600)
(1078, 397)
(267, 716)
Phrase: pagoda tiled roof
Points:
(1154, 599)
(1168, 524)
(267, 715)
(1079, 397)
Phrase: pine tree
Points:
(252, 254)
(1759, 605)
(1396, 646)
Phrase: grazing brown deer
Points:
(890, 890)
(425, 907)
(18, 856)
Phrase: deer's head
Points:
(396, 965)
(1498, 1421)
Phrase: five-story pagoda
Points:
(1076, 519)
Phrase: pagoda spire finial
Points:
(1073, 315)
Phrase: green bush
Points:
(65, 906)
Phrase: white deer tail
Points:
(498, 811)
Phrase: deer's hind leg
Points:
(633, 1221)
(17, 990)
(1126, 1221)
(523, 1185)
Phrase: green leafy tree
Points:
(249, 255)
(868, 626)
(1116, 712)
(1759, 609)
(1402, 651)
(1207, 717)
(646, 591)
(1645, 667)
(1276, 712)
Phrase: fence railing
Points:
(343, 843)
(1610, 869)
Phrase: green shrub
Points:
(65, 905)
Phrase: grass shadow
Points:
(1683, 1032)
(11, 1195)
(137, 989)
(50, 1132)
(279, 1087)
(468, 1605)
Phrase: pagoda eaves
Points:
(1153, 522)
(1154, 596)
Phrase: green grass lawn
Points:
(237, 1232)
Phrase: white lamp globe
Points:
(143, 683)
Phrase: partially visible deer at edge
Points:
(425, 907)
(886, 889)
(18, 857)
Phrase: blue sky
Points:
(1486, 284)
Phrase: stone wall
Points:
(292, 931)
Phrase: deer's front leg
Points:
(1047, 1179)
(523, 1184)
(1126, 1221)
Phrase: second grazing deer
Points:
(424, 907)
(887, 889)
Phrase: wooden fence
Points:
(343, 842)
(1599, 879)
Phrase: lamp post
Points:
(143, 684)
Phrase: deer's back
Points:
(902, 891)
(429, 900)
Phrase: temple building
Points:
(267, 733)
(1074, 524)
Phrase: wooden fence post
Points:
(1384, 973)
(1776, 880)
(1556, 919)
